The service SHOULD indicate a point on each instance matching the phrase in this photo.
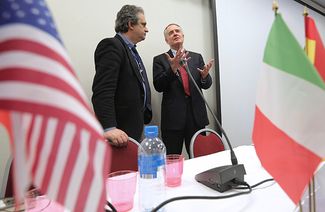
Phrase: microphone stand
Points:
(219, 178)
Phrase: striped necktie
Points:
(145, 83)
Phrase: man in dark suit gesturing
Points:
(183, 111)
(121, 92)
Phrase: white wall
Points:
(243, 27)
(4, 158)
(82, 24)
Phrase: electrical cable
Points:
(203, 197)
(257, 184)
(236, 183)
(111, 206)
(264, 181)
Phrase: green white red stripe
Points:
(289, 129)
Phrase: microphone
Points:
(220, 178)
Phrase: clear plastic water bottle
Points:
(151, 162)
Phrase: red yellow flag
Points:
(314, 46)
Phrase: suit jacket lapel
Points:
(135, 68)
(133, 62)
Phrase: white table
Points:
(266, 197)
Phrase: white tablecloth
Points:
(266, 197)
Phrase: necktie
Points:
(184, 77)
(139, 61)
(145, 83)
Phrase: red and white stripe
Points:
(57, 140)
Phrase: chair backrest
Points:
(125, 158)
(205, 142)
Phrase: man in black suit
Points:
(121, 92)
(183, 111)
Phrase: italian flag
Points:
(289, 129)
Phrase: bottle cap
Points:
(151, 131)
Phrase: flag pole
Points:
(305, 11)
(300, 206)
(312, 199)
(275, 6)
(314, 193)
(311, 185)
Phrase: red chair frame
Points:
(205, 144)
(126, 157)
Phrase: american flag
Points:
(57, 142)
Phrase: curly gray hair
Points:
(128, 13)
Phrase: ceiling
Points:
(320, 2)
(317, 5)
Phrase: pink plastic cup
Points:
(120, 186)
(174, 170)
(34, 201)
